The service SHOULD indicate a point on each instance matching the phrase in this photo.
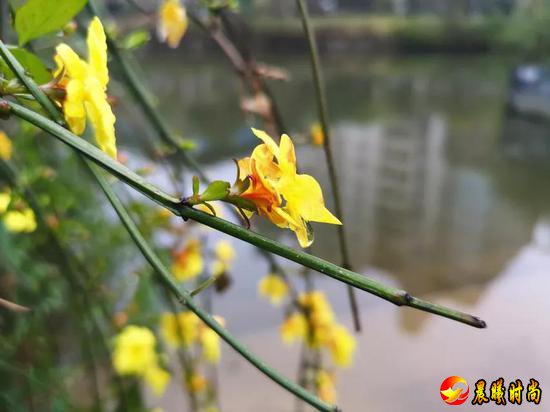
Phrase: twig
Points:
(320, 95)
(394, 295)
(14, 307)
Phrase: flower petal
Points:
(101, 116)
(75, 66)
(305, 198)
(97, 51)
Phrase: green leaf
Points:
(196, 184)
(216, 190)
(32, 64)
(136, 39)
(39, 17)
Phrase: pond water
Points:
(446, 195)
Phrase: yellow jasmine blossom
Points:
(319, 310)
(317, 135)
(196, 383)
(134, 351)
(188, 324)
(172, 23)
(188, 262)
(274, 288)
(326, 390)
(294, 328)
(5, 146)
(210, 342)
(286, 198)
(342, 346)
(17, 221)
(85, 85)
(5, 199)
(224, 251)
(157, 379)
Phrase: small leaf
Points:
(32, 64)
(39, 17)
(136, 39)
(217, 190)
(196, 185)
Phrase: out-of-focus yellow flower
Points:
(294, 328)
(157, 379)
(287, 199)
(224, 251)
(20, 221)
(273, 287)
(196, 383)
(5, 199)
(188, 262)
(224, 256)
(172, 23)
(326, 390)
(319, 310)
(342, 346)
(85, 85)
(191, 330)
(134, 352)
(319, 329)
(5, 146)
(317, 135)
(210, 342)
(187, 333)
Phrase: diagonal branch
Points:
(391, 294)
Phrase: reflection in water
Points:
(442, 191)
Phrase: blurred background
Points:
(440, 115)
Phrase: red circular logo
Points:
(454, 390)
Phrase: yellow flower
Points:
(324, 383)
(274, 288)
(188, 328)
(157, 379)
(210, 342)
(319, 309)
(196, 383)
(23, 221)
(5, 146)
(294, 328)
(5, 199)
(286, 198)
(85, 85)
(134, 352)
(224, 251)
(317, 135)
(172, 23)
(342, 346)
(188, 262)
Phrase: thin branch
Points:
(164, 274)
(140, 94)
(185, 299)
(391, 294)
(14, 307)
(321, 98)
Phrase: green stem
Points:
(204, 285)
(33, 88)
(185, 299)
(321, 98)
(394, 295)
